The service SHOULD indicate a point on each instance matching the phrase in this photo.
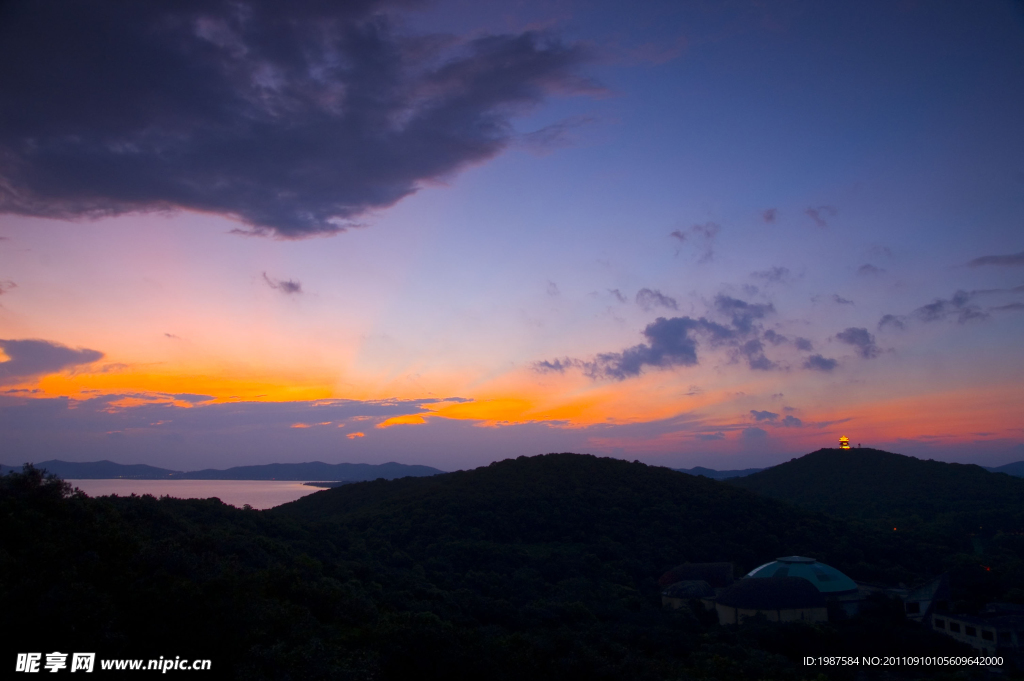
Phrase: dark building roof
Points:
(772, 593)
(717, 575)
(689, 588)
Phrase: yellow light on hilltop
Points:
(844, 443)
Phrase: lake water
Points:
(257, 493)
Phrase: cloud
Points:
(763, 415)
(956, 306)
(891, 320)
(288, 287)
(741, 312)
(670, 343)
(673, 342)
(753, 350)
(552, 289)
(296, 118)
(708, 437)
(803, 344)
(754, 433)
(557, 365)
(859, 338)
(819, 363)
(867, 269)
(617, 294)
(839, 300)
(649, 299)
(29, 358)
(6, 285)
(171, 335)
(774, 275)
(704, 235)
(555, 136)
(791, 422)
(775, 338)
(1005, 260)
(353, 436)
(1009, 306)
(817, 214)
(770, 215)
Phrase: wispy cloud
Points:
(649, 299)
(773, 275)
(770, 215)
(819, 214)
(286, 286)
(1011, 260)
(702, 236)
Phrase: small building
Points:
(996, 630)
(682, 593)
(778, 599)
(844, 442)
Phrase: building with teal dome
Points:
(825, 578)
(789, 589)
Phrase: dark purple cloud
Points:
(868, 269)
(763, 415)
(791, 422)
(649, 299)
(839, 300)
(753, 350)
(294, 117)
(29, 358)
(860, 339)
(819, 363)
(770, 215)
(742, 313)
(285, 286)
(774, 337)
(891, 320)
(958, 306)
(1005, 260)
(803, 344)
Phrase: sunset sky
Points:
(447, 233)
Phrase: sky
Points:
(448, 233)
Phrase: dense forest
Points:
(544, 567)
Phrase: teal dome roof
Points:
(825, 578)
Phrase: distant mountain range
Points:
(314, 470)
(718, 475)
(1015, 469)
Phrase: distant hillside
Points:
(718, 475)
(316, 470)
(98, 470)
(1016, 469)
(892, 489)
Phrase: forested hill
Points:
(600, 510)
(891, 489)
